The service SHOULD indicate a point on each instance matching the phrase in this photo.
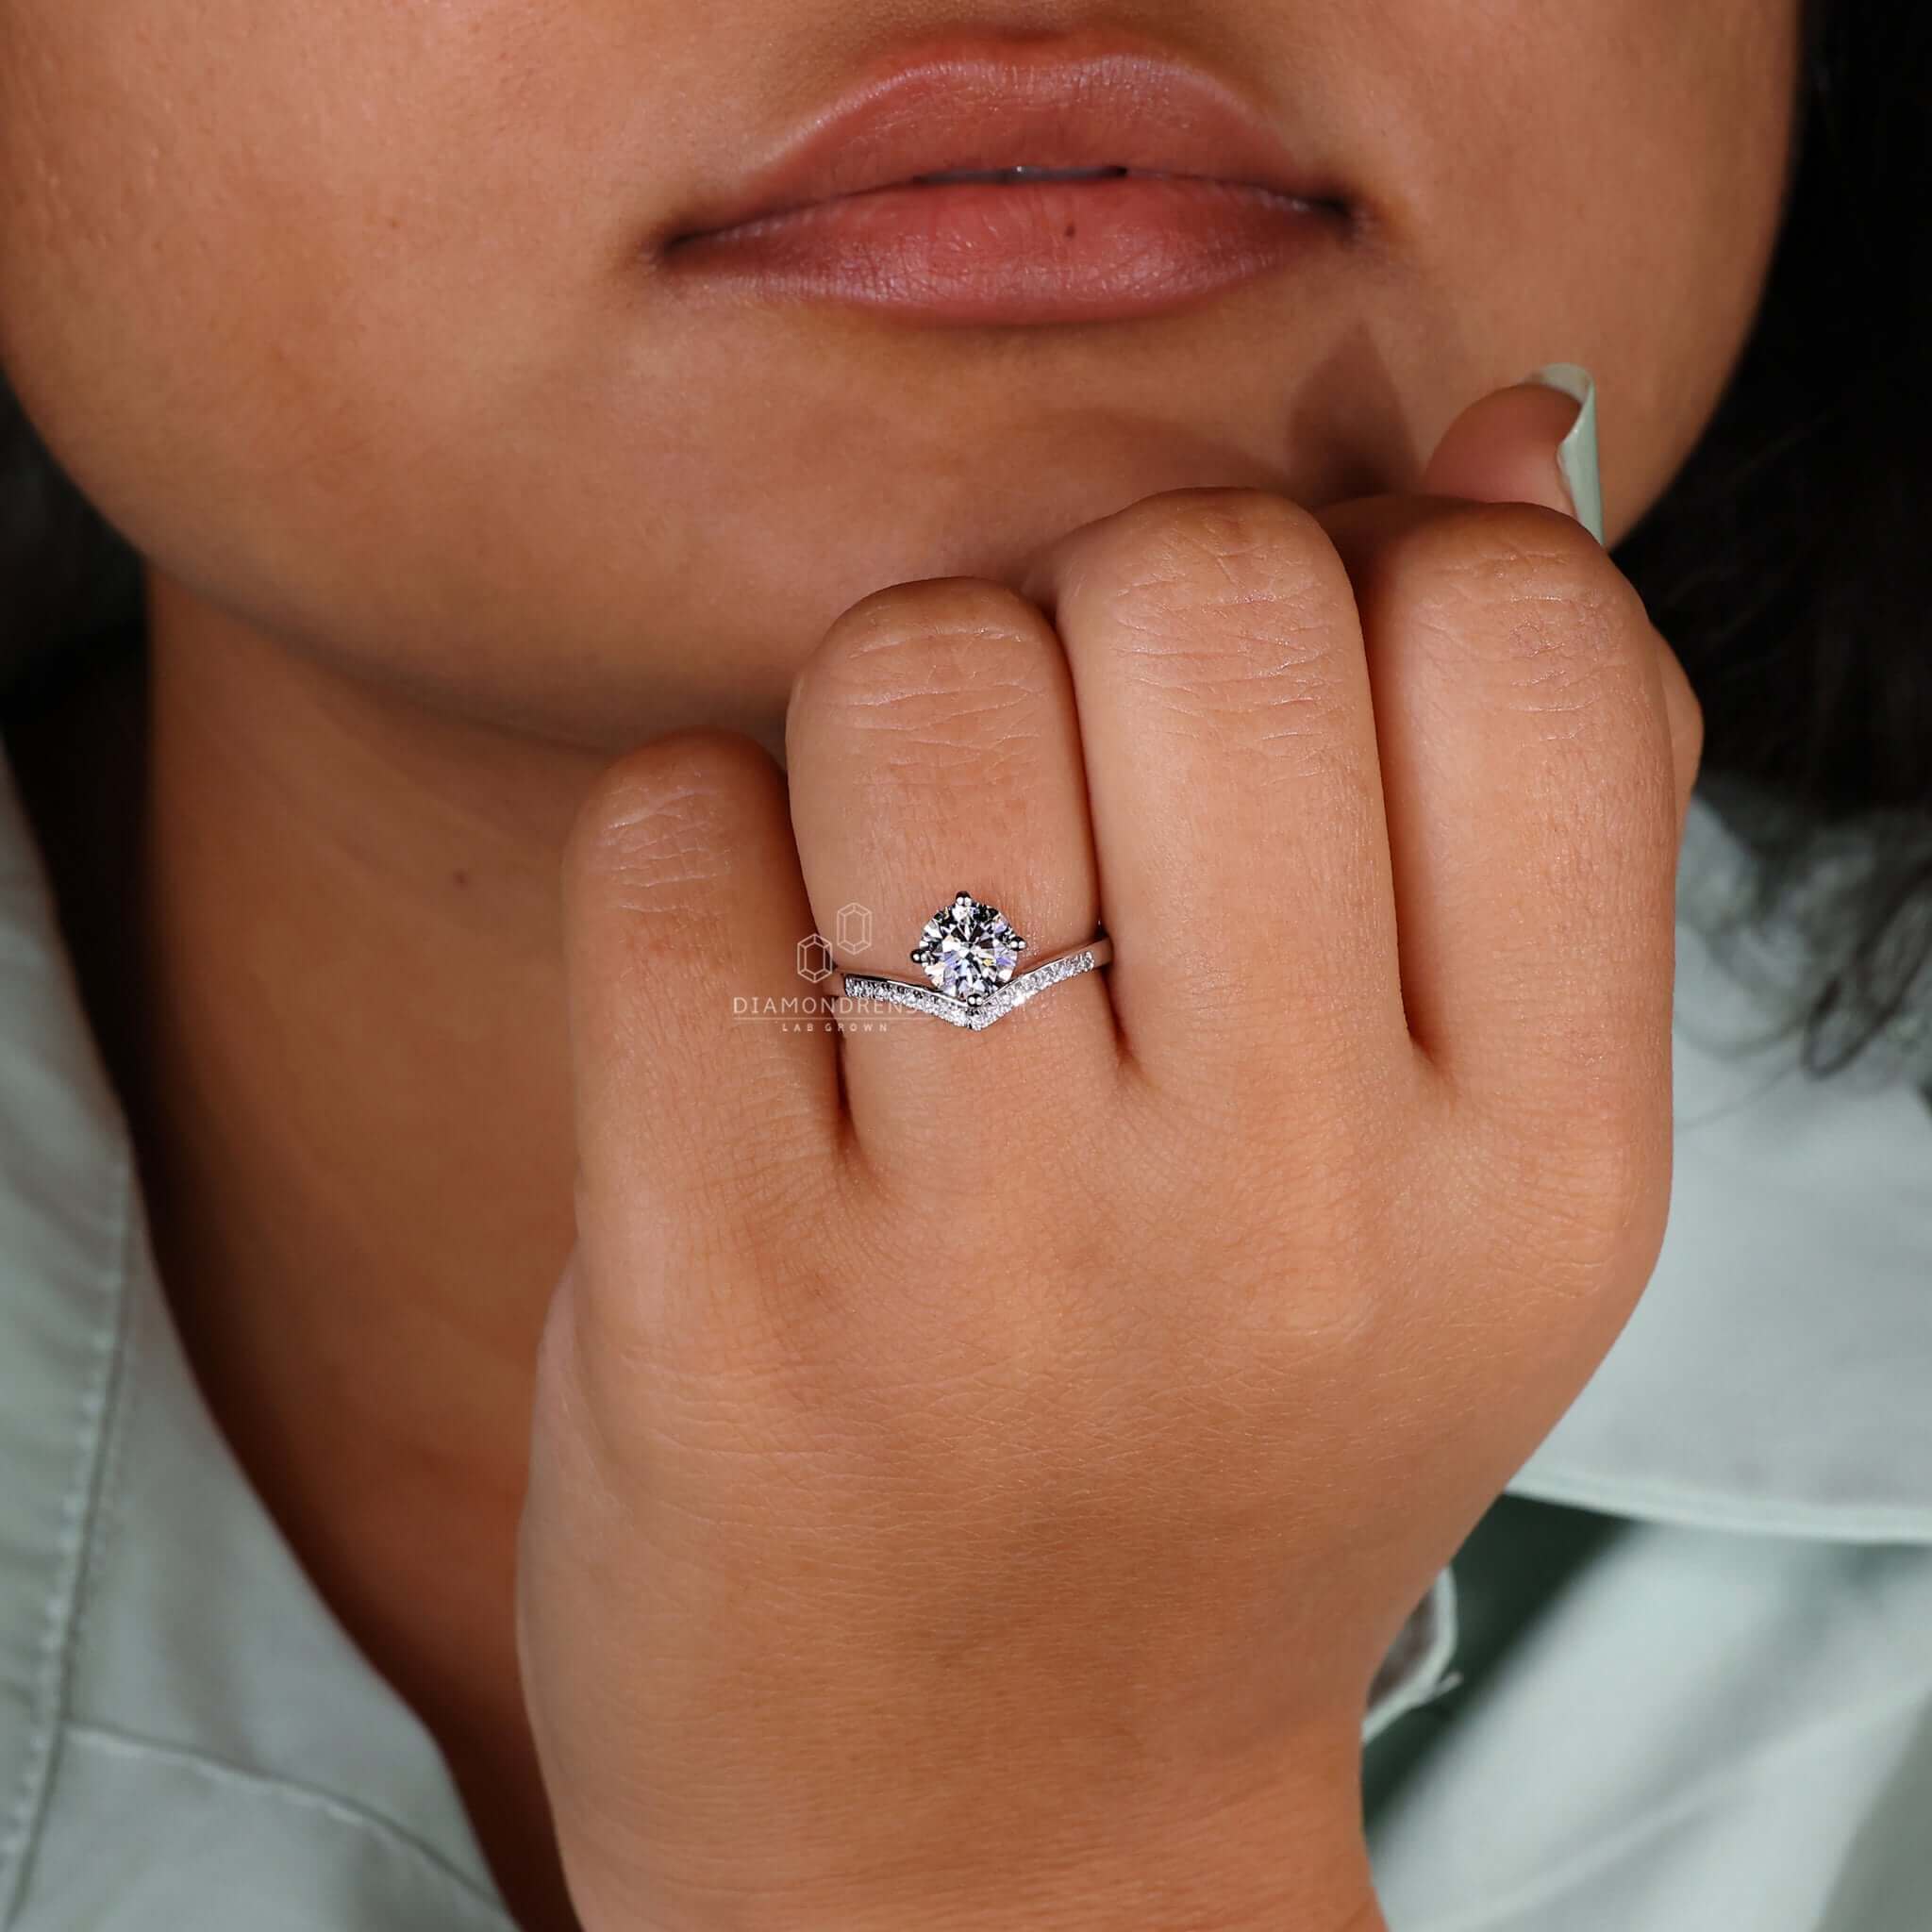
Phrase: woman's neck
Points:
(345, 1066)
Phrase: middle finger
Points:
(1236, 791)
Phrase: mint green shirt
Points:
(1719, 1719)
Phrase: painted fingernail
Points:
(1577, 454)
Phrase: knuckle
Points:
(1509, 540)
(1228, 605)
(660, 827)
(1596, 1177)
(1691, 713)
(1209, 547)
(1212, 520)
(1686, 711)
(944, 664)
(909, 635)
(1527, 589)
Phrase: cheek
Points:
(279, 285)
(1602, 182)
(171, 257)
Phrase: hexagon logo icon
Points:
(815, 961)
(854, 926)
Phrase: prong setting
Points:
(969, 952)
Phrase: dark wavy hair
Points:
(1788, 562)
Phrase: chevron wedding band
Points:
(969, 952)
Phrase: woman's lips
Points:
(1047, 251)
(1200, 194)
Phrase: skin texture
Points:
(344, 316)
(1109, 1478)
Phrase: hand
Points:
(976, 1474)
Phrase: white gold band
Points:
(995, 1004)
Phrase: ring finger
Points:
(933, 747)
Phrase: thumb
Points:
(1532, 442)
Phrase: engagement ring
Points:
(968, 952)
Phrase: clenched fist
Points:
(976, 1474)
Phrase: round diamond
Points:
(968, 949)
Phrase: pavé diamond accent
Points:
(968, 950)
(976, 1014)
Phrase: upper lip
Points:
(993, 104)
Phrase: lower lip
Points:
(1025, 252)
